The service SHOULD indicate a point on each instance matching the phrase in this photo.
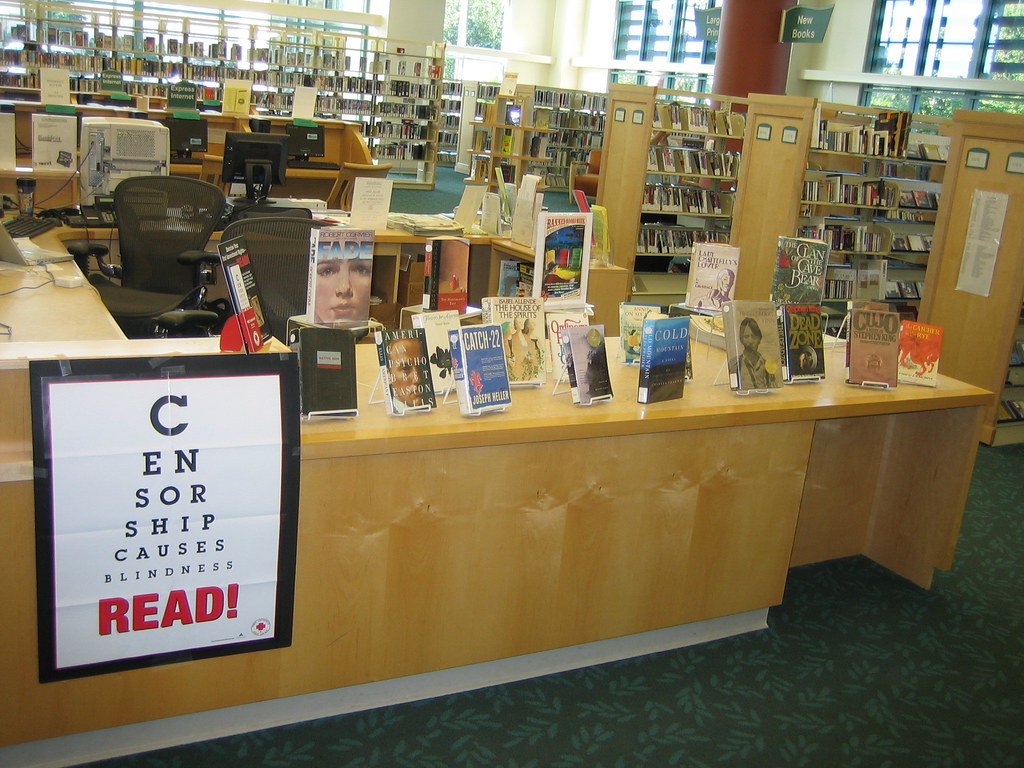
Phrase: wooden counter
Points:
(432, 540)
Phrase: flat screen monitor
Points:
(305, 141)
(257, 159)
(187, 136)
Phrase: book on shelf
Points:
(481, 373)
(446, 274)
(340, 271)
(243, 292)
(562, 257)
(436, 326)
(556, 321)
(327, 370)
(515, 278)
(802, 336)
(521, 319)
(405, 369)
(663, 357)
(712, 278)
(920, 348)
(752, 345)
(587, 363)
(872, 349)
(631, 325)
(799, 275)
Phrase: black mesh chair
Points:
(163, 225)
(278, 248)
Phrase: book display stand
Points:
(377, 397)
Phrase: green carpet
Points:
(448, 191)
(858, 668)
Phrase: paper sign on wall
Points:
(174, 536)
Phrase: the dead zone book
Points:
(446, 274)
(873, 347)
(803, 342)
(663, 353)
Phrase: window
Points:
(979, 39)
(474, 24)
(661, 31)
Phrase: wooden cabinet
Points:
(576, 120)
(506, 140)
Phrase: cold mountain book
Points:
(920, 347)
(872, 349)
(244, 294)
(752, 345)
(712, 278)
(437, 326)
(590, 378)
(663, 355)
(327, 370)
(446, 274)
(481, 373)
(340, 268)
(631, 324)
(562, 257)
(802, 335)
(405, 369)
(521, 319)
(799, 276)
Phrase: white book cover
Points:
(437, 325)
(521, 319)
(524, 217)
(371, 203)
(54, 85)
(237, 97)
(54, 141)
(304, 102)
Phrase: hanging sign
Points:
(801, 24)
(166, 501)
(111, 81)
(709, 22)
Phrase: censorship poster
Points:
(166, 509)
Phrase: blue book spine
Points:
(486, 372)
(663, 348)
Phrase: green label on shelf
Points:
(60, 109)
(182, 95)
(302, 123)
(111, 81)
(801, 24)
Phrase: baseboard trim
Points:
(157, 734)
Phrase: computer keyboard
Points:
(28, 227)
(322, 165)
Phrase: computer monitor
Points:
(187, 135)
(305, 141)
(257, 159)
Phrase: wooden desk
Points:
(433, 540)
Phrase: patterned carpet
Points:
(858, 668)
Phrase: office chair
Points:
(340, 197)
(163, 224)
(278, 249)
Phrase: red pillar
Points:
(750, 58)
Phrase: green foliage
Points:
(485, 20)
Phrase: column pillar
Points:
(750, 58)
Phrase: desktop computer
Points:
(117, 148)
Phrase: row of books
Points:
(671, 198)
(834, 189)
(842, 237)
(669, 240)
(919, 198)
(693, 162)
(690, 118)
(885, 135)
(1010, 410)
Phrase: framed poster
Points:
(166, 497)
